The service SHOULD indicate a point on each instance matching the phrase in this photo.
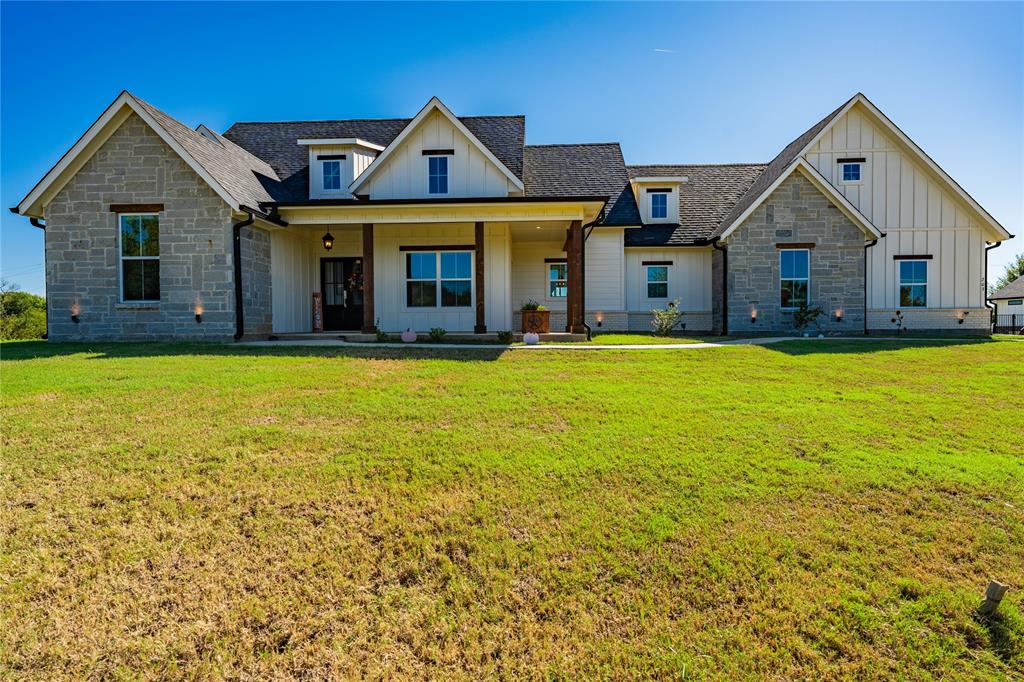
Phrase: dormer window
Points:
(330, 167)
(659, 205)
(437, 171)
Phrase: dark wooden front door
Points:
(341, 282)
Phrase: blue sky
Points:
(676, 83)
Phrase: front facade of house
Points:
(154, 230)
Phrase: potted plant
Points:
(536, 318)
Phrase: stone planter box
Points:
(537, 321)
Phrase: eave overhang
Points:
(447, 210)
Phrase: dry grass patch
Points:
(815, 510)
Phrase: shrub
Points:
(505, 336)
(437, 334)
(665, 321)
(532, 305)
(382, 337)
(22, 315)
(803, 317)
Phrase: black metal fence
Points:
(1009, 324)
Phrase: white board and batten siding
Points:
(689, 279)
(295, 272)
(389, 277)
(604, 272)
(919, 217)
(404, 173)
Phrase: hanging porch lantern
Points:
(328, 240)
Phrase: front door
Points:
(341, 281)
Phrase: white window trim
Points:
(650, 206)
(807, 279)
(900, 284)
(860, 180)
(547, 282)
(121, 258)
(323, 177)
(437, 280)
(668, 283)
(426, 164)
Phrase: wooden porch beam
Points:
(574, 263)
(369, 320)
(481, 325)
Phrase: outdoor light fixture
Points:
(75, 310)
(198, 310)
(839, 314)
(753, 316)
(328, 240)
(961, 316)
(600, 318)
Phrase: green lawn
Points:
(801, 510)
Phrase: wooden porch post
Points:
(369, 319)
(574, 267)
(481, 325)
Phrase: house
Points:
(1009, 307)
(155, 230)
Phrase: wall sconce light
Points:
(839, 314)
(753, 316)
(328, 240)
(75, 311)
(600, 319)
(198, 308)
(961, 316)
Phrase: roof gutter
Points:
(237, 257)
(725, 283)
(988, 303)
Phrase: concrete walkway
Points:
(763, 341)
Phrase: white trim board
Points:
(823, 185)
(432, 105)
(90, 142)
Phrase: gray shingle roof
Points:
(598, 169)
(1014, 289)
(277, 143)
(775, 169)
(710, 191)
(244, 176)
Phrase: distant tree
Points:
(1014, 269)
(22, 315)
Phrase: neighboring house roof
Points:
(598, 169)
(1014, 289)
(233, 173)
(710, 192)
(277, 143)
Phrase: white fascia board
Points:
(823, 185)
(353, 141)
(678, 179)
(433, 104)
(91, 140)
(876, 113)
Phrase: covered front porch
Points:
(427, 266)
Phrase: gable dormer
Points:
(335, 162)
(435, 157)
(657, 197)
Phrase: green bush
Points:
(664, 321)
(22, 315)
(505, 336)
(437, 334)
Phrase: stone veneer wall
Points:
(796, 212)
(938, 321)
(82, 260)
(257, 304)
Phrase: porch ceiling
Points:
(531, 212)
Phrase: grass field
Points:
(802, 510)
